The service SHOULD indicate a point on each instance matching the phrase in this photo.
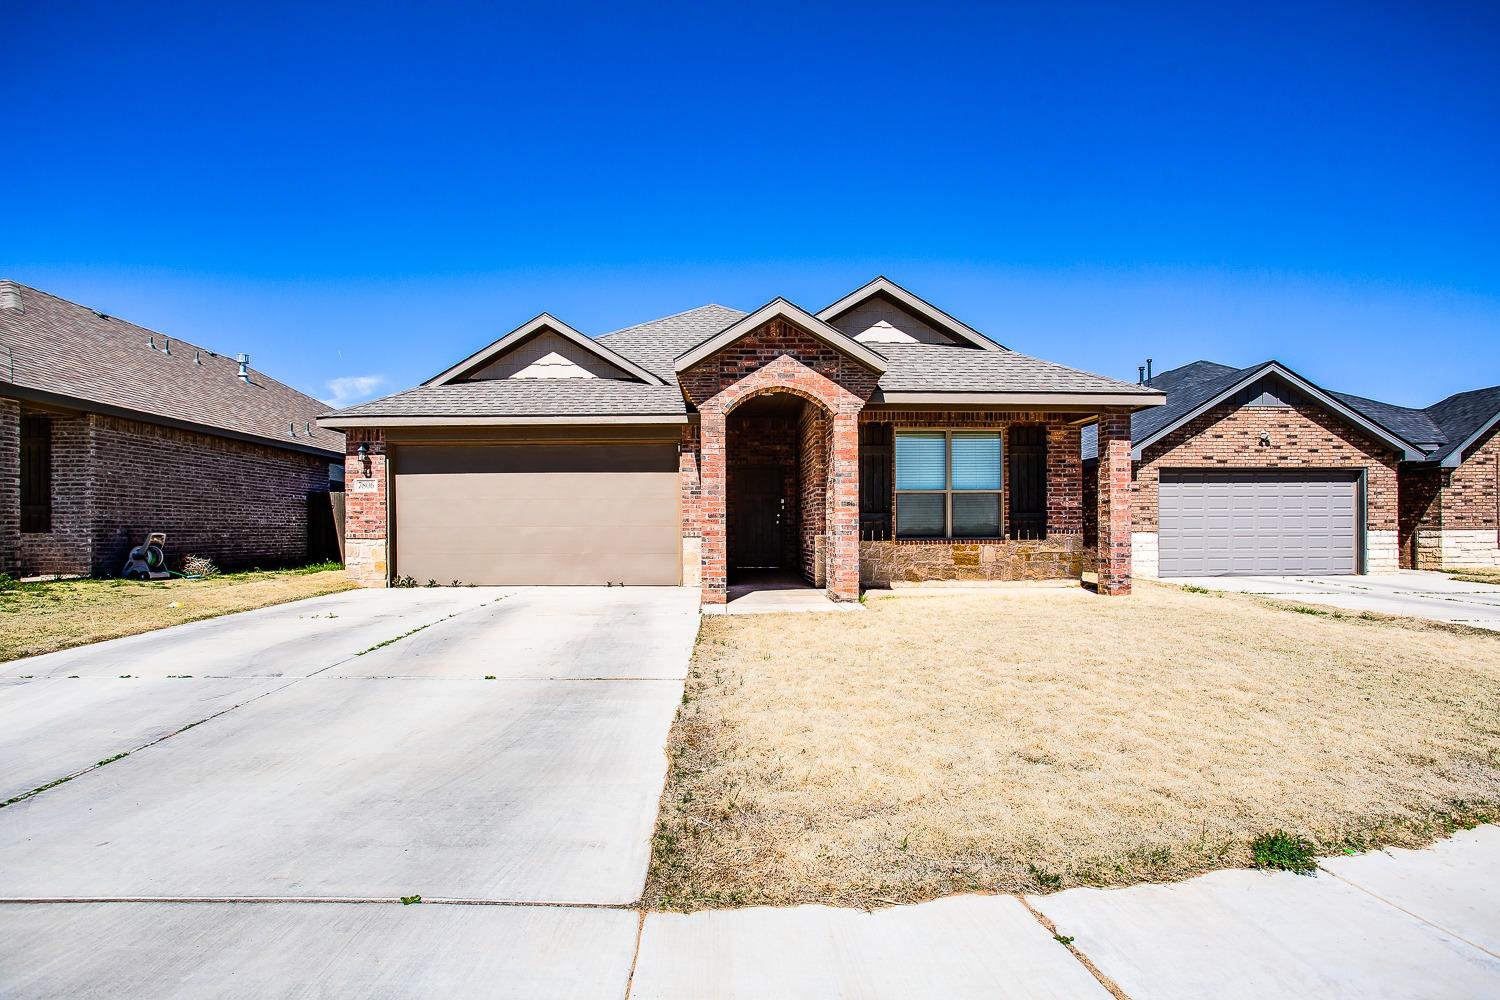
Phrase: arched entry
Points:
(776, 490)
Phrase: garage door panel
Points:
(555, 514)
(1238, 522)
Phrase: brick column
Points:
(10, 487)
(843, 507)
(1114, 503)
(713, 483)
(366, 513)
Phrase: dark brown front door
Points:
(755, 528)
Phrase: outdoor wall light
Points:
(363, 451)
(1265, 439)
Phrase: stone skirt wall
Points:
(917, 561)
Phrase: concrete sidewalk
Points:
(1408, 593)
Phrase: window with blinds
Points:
(948, 484)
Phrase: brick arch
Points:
(782, 358)
(739, 399)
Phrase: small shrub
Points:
(1191, 588)
(404, 581)
(7, 582)
(199, 566)
(1283, 852)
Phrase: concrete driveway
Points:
(485, 746)
(1411, 593)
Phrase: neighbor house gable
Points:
(1268, 384)
(545, 347)
(884, 312)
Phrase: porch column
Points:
(713, 480)
(1114, 503)
(843, 508)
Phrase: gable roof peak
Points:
(537, 324)
(783, 308)
(881, 285)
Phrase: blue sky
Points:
(370, 192)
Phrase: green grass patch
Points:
(1281, 851)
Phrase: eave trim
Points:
(109, 410)
(1455, 458)
(334, 421)
(1137, 400)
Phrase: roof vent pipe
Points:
(1140, 374)
(244, 360)
(10, 296)
(1148, 370)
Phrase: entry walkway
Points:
(1409, 593)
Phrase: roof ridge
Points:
(663, 319)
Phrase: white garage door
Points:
(1253, 522)
(566, 514)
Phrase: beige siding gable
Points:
(548, 356)
(879, 320)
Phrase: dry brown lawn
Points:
(1025, 740)
(1477, 576)
(42, 617)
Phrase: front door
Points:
(755, 527)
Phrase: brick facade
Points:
(366, 535)
(780, 357)
(1304, 436)
(1061, 554)
(114, 479)
(813, 428)
(1450, 518)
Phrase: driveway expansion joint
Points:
(1410, 913)
(1109, 985)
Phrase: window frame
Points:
(948, 492)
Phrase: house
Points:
(109, 430)
(1450, 498)
(879, 439)
(1257, 470)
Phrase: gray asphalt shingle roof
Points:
(1460, 415)
(657, 345)
(54, 346)
(941, 368)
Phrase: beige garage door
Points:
(563, 514)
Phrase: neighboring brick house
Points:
(109, 431)
(879, 440)
(1258, 471)
(1450, 498)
